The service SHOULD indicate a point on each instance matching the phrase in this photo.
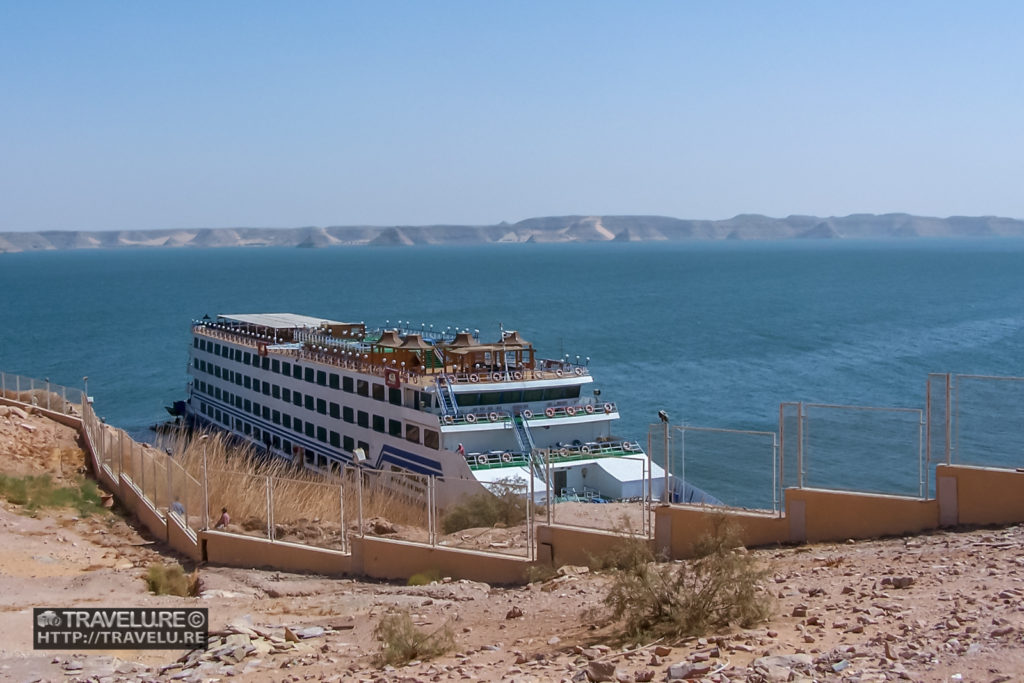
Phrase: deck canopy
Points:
(279, 321)
(390, 340)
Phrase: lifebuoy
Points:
(558, 373)
(563, 451)
(607, 407)
(496, 376)
(493, 417)
(474, 378)
(584, 449)
(578, 371)
(588, 408)
(550, 412)
(626, 446)
(517, 375)
(470, 418)
(506, 457)
(482, 459)
(570, 410)
(448, 419)
(527, 413)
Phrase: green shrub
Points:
(505, 504)
(424, 578)
(171, 579)
(35, 492)
(720, 585)
(402, 642)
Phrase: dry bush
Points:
(402, 642)
(720, 585)
(171, 579)
(628, 551)
(505, 504)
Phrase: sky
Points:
(140, 115)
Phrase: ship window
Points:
(195, 363)
(286, 446)
(363, 419)
(216, 392)
(511, 396)
(335, 439)
(275, 366)
(224, 352)
(573, 392)
(238, 378)
(297, 425)
(310, 457)
(321, 406)
(247, 358)
(255, 360)
(247, 381)
(335, 411)
(286, 368)
(297, 398)
(216, 414)
(346, 414)
(195, 342)
(321, 434)
(321, 378)
(277, 442)
(216, 371)
(309, 375)
(378, 392)
(265, 364)
(362, 387)
(347, 443)
(266, 413)
(333, 382)
(394, 427)
(533, 395)
(248, 406)
(255, 408)
(256, 385)
(366, 448)
(395, 397)
(275, 417)
(275, 391)
(346, 384)
(467, 399)
(412, 433)
(309, 429)
(378, 423)
(309, 402)
(431, 439)
(266, 388)
(490, 398)
(297, 371)
(286, 394)
(247, 428)
(286, 420)
(216, 349)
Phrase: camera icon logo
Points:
(48, 618)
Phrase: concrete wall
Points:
(678, 527)
(574, 545)
(235, 550)
(133, 500)
(980, 495)
(839, 515)
(383, 558)
(181, 539)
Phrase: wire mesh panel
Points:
(185, 495)
(397, 505)
(246, 498)
(307, 512)
(496, 517)
(863, 448)
(707, 452)
(986, 425)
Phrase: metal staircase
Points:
(521, 428)
(449, 405)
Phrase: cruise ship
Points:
(325, 395)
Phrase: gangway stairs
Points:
(445, 394)
(521, 427)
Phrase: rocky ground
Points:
(939, 607)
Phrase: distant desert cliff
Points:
(551, 229)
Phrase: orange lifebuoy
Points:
(579, 372)
(527, 413)
(517, 375)
(448, 419)
(550, 412)
(589, 409)
(570, 410)
(607, 407)
(474, 378)
(496, 376)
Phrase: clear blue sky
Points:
(138, 115)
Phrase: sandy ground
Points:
(939, 607)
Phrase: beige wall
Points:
(839, 515)
(133, 501)
(382, 558)
(677, 528)
(574, 545)
(983, 495)
(181, 540)
(235, 550)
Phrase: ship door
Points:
(561, 481)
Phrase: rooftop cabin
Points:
(420, 359)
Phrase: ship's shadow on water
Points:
(717, 335)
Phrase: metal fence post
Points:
(341, 506)
(270, 511)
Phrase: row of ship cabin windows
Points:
(491, 398)
(413, 433)
(361, 387)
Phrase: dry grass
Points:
(307, 506)
(401, 642)
(171, 579)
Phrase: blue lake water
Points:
(716, 334)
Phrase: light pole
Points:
(664, 421)
(206, 486)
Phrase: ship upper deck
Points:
(418, 358)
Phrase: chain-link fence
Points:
(853, 448)
(41, 393)
(976, 420)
